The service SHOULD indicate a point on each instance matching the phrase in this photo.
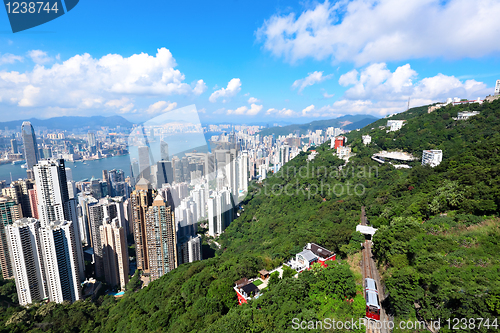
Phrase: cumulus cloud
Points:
(244, 110)
(310, 79)
(281, 113)
(307, 110)
(367, 31)
(39, 57)
(84, 82)
(160, 107)
(253, 100)
(377, 90)
(8, 58)
(124, 104)
(233, 88)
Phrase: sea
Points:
(80, 170)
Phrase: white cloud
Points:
(281, 113)
(84, 82)
(199, 88)
(202, 110)
(378, 91)
(310, 79)
(326, 95)
(253, 100)
(124, 104)
(160, 107)
(233, 88)
(244, 110)
(307, 110)
(39, 57)
(366, 31)
(8, 58)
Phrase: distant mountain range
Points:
(347, 122)
(70, 123)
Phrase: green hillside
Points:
(437, 244)
(353, 122)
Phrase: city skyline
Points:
(273, 69)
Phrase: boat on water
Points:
(18, 162)
(24, 166)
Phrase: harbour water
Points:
(80, 170)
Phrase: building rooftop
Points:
(250, 289)
(308, 255)
(319, 251)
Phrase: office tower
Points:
(69, 174)
(33, 202)
(30, 144)
(101, 212)
(191, 250)
(144, 165)
(91, 139)
(141, 198)
(161, 238)
(13, 146)
(53, 199)
(164, 151)
(106, 178)
(497, 88)
(165, 173)
(10, 211)
(60, 256)
(114, 254)
(24, 244)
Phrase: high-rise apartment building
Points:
(54, 204)
(44, 260)
(161, 241)
(18, 190)
(141, 198)
(10, 211)
(114, 254)
(220, 212)
(101, 212)
(23, 239)
(30, 144)
(59, 251)
(190, 250)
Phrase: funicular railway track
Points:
(369, 271)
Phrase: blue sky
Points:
(298, 61)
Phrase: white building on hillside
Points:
(432, 157)
(366, 139)
(395, 125)
(466, 115)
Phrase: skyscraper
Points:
(44, 260)
(13, 146)
(164, 151)
(220, 212)
(91, 139)
(53, 199)
(30, 144)
(10, 211)
(60, 255)
(497, 88)
(101, 213)
(28, 266)
(114, 253)
(161, 239)
(140, 199)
